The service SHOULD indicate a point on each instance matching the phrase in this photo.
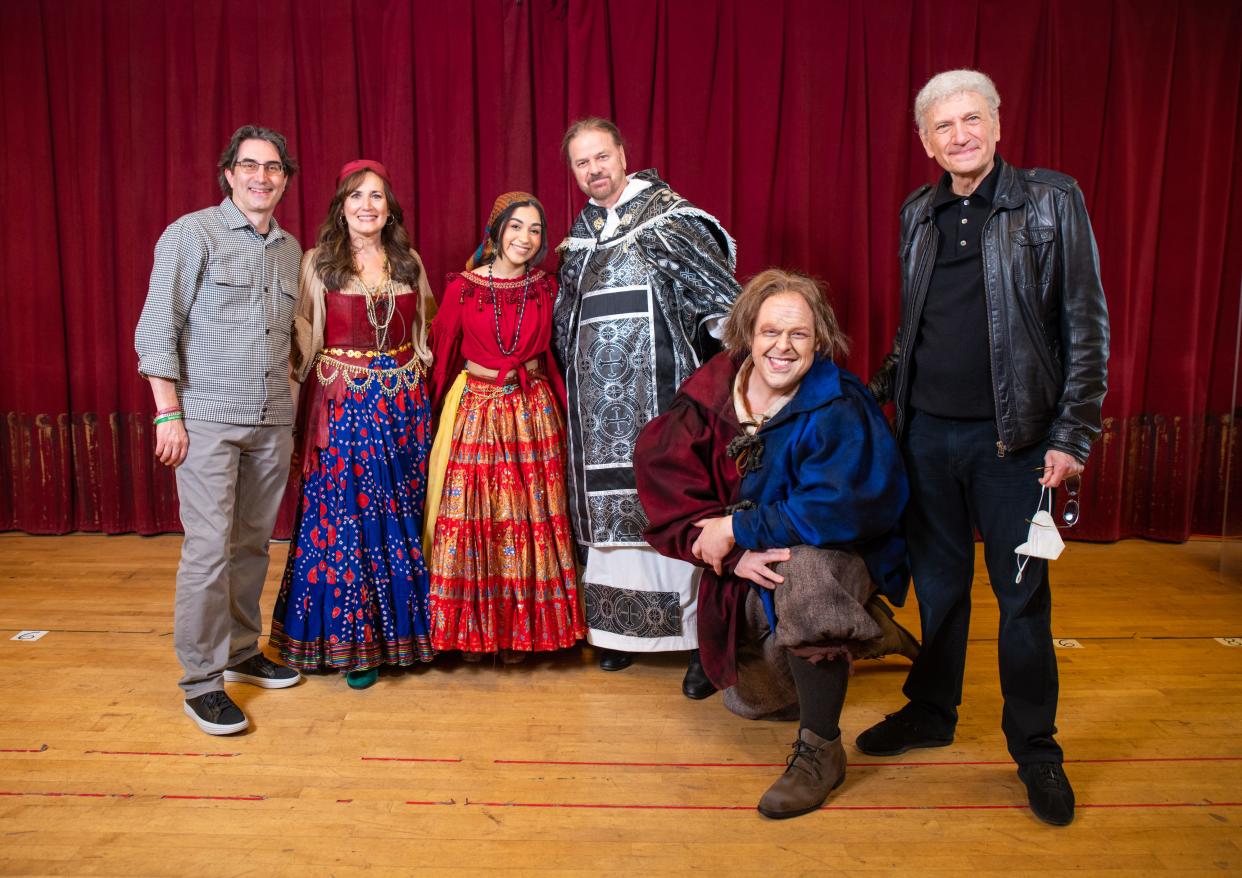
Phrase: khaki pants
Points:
(230, 487)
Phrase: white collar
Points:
(632, 188)
(753, 422)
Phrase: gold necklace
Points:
(381, 300)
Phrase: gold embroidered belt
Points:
(358, 378)
(479, 391)
(350, 352)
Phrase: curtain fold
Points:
(790, 120)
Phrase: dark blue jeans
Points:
(957, 482)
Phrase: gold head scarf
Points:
(485, 251)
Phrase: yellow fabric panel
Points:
(438, 463)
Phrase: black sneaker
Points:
(1049, 792)
(216, 714)
(899, 732)
(259, 670)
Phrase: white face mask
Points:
(1043, 540)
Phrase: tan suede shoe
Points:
(816, 768)
(894, 639)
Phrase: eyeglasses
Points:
(1071, 513)
(250, 166)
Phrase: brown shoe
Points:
(893, 637)
(816, 768)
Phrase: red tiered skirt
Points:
(502, 563)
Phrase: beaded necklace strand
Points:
(376, 298)
(517, 332)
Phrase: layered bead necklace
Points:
(517, 331)
(381, 302)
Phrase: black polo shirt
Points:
(952, 366)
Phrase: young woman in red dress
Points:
(501, 555)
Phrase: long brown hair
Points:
(739, 330)
(334, 261)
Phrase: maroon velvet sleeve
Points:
(682, 477)
(678, 480)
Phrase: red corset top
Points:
(347, 326)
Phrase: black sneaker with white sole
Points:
(216, 714)
(259, 670)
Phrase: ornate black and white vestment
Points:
(644, 287)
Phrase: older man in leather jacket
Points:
(998, 373)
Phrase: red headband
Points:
(362, 165)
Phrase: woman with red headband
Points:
(502, 569)
(354, 593)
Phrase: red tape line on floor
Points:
(616, 806)
(405, 759)
(1001, 807)
(218, 798)
(61, 795)
(1121, 760)
(895, 764)
(131, 795)
(642, 764)
(157, 753)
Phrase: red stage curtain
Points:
(788, 119)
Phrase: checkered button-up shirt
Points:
(218, 319)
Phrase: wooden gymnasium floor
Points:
(557, 768)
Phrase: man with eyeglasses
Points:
(998, 375)
(215, 341)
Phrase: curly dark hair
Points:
(334, 262)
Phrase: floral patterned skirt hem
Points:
(319, 655)
(474, 619)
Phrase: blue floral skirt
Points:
(354, 591)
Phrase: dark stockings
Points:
(821, 693)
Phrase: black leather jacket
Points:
(1047, 321)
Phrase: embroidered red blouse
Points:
(465, 328)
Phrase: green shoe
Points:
(362, 679)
